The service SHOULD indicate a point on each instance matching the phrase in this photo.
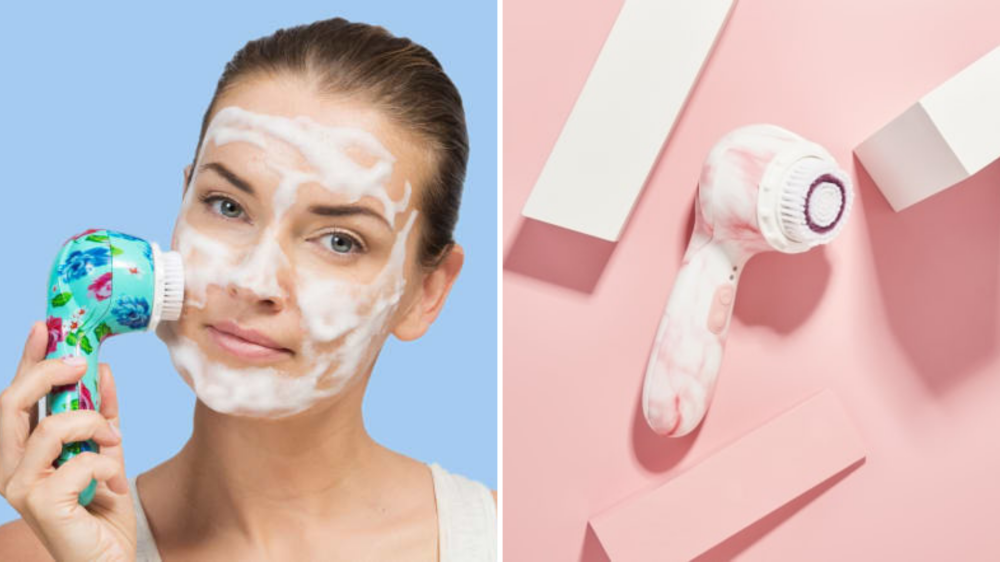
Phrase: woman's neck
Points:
(261, 479)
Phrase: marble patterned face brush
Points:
(762, 188)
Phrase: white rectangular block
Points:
(638, 86)
(947, 136)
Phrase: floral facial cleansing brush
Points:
(762, 188)
(104, 283)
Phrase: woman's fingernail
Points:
(115, 430)
(74, 360)
(31, 331)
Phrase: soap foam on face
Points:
(331, 308)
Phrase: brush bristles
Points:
(814, 202)
(173, 286)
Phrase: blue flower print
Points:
(80, 263)
(132, 312)
(146, 249)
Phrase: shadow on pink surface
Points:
(592, 550)
(936, 264)
(564, 257)
(780, 291)
(557, 255)
(796, 281)
(655, 452)
(736, 544)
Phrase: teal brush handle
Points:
(103, 283)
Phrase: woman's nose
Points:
(273, 300)
(263, 277)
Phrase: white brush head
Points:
(804, 200)
(168, 270)
(815, 202)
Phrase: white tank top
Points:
(467, 520)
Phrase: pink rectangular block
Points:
(733, 488)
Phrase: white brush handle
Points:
(687, 352)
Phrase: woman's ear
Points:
(429, 301)
(187, 180)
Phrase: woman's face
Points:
(298, 225)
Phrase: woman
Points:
(316, 220)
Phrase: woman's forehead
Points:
(291, 97)
(271, 150)
(294, 97)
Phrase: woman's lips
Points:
(244, 349)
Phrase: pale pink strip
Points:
(733, 488)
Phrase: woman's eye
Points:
(225, 207)
(342, 243)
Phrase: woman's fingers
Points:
(35, 348)
(32, 417)
(109, 394)
(109, 409)
(63, 487)
(46, 441)
(40, 380)
(78, 474)
(16, 401)
(48, 497)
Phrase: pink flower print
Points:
(100, 289)
(84, 233)
(86, 403)
(64, 388)
(54, 324)
(84, 400)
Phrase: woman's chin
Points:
(245, 412)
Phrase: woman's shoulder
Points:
(19, 542)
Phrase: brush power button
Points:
(718, 315)
(725, 295)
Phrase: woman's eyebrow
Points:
(225, 172)
(322, 210)
(347, 210)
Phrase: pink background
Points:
(898, 316)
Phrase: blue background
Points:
(101, 109)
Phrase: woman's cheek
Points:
(208, 260)
(169, 333)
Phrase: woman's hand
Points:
(47, 497)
